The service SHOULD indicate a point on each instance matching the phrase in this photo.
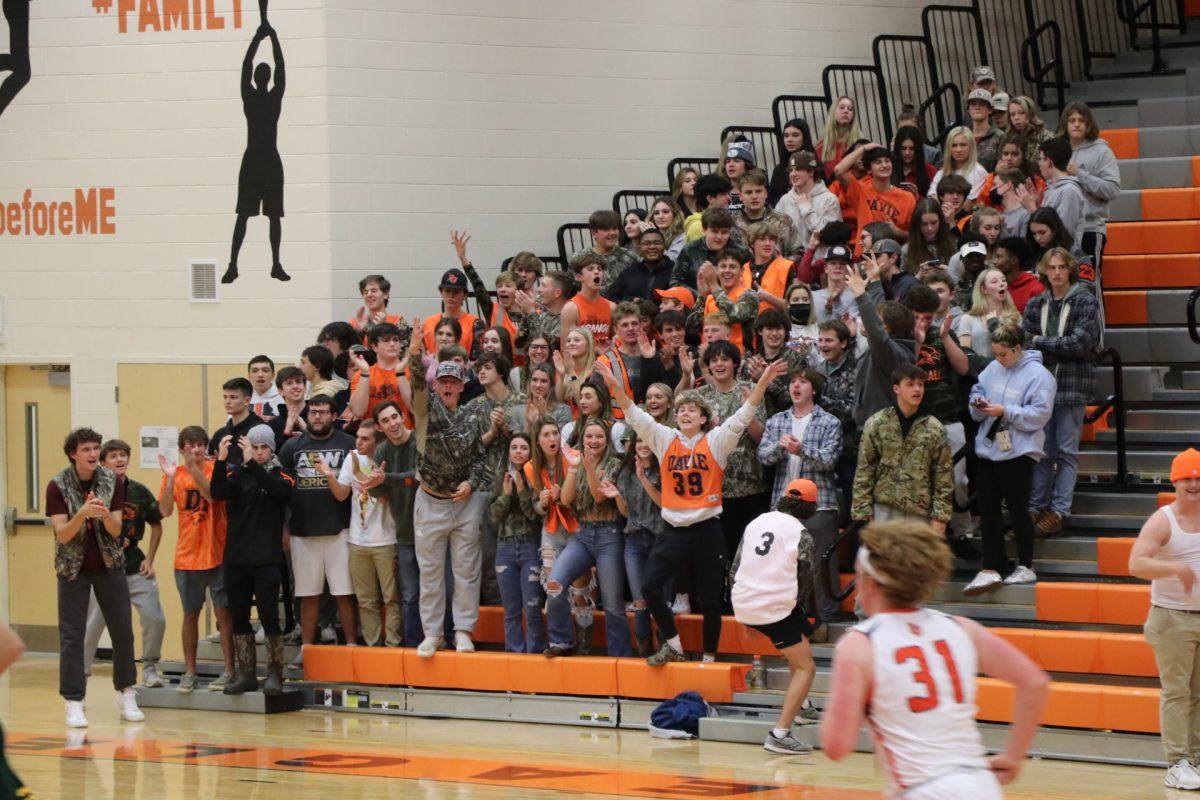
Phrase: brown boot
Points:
(246, 658)
(274, 683)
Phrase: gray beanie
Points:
(262, 434)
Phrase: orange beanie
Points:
(1186, 465)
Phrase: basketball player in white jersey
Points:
(776, 551)
(1167, 553)
(910, 671)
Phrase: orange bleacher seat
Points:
(716, 683)
(1090, 429)
(1165, 498)
(1123, 141)
(1125, 307)
(1093, 652)
(1112, 555)
(1107, 603)
(1163, 271)
(1167, 204)
(329, 663)
(591, 676)
(1139, 238)
(1076, 705)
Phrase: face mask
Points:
(800, 312)
(995, 198)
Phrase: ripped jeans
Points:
(518, 572)
(599, 544)
(583, 591)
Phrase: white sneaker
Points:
(328, 635)
(1021, 575)
(429, 646)
(75, 715)
(681, 605)
(463, 643)
(260, 636)
(150, 677)
(127, 702)
(986, 581)
(1180, 775)
(214, 637)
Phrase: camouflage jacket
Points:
(743, 470)
(479, 415)
(541, 323)
(453, 452)
(781, 224)
(838, 395)
(778, 396)
(614, 263)
(68, 558)
(912, 473)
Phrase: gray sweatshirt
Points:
(1065, 196)
(1100, 179)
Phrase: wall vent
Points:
(202, 281)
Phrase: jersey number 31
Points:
(928, 699)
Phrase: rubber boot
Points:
(583, 639)
(274, 683)
(246, 658)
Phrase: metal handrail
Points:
(1131, 16)
(1037, 76)
(1116, 403)
(1193, 330)
(831, 552)
(955, 102)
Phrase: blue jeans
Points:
(601, 544)
(518, 571)
(1054, 476)
(637, 550)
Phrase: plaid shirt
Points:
(1068, 351)
(817, 461)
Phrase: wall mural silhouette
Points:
(16, 60)
(260, 179)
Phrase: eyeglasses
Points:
(539, 347)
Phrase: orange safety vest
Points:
(501, 319)
(775, 279)
(691, 477)
(616, 359)
(557, 516)
(467, 321)
(596, 316)
(736, 336)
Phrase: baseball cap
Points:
(839, 252)
(983, 73)
(886, 246)
(802, 489)
(453, 279)
(1000, 101)
(450, 369)
(680, 293)
(980, 95)
(803, 160)
(972, 248)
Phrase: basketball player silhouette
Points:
(260, 180)
(16, 60)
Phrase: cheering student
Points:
(775, 556)
(693, 460)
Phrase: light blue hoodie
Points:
(1027, 393)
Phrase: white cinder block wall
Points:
(402, 119)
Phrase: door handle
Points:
(11, 520)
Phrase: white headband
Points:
(863, 560)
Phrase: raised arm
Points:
(248, 64)
(277, 55)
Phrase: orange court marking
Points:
(560, 777)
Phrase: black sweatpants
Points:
(1011, 482)
(112, 594)
(249, 586)
(702, 548)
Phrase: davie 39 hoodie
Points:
(1027, 393)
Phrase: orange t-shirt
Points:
(201, 542)
(736, 335)
(774, 280)
(691, 478)
(467, 321)
(989, 183)
(894, 205)
(383, 386)
(394, 319)
(596, 316)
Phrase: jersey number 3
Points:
(922, 677)
(768, 539)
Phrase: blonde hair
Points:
(676, 228)
(834, 134)
(670, 393)
(968, 165)
(677, 184)
(979, 302)
(1031, 111)
(570, 389)
(692, 397)
(911, 558)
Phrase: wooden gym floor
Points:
(182, 755)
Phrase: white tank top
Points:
(922, 709)
(1183, 546)
(765, 587)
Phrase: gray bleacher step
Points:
(1190, 379)
(1169, 345)
(211, 651)
(1170, 419)
(203, 700)
(1106, 524)
(1176, 395)
(1126, 90)
(1140, 436)
(996, 613)
(1168, 140)
(1042, 566)
(1157, 111)
(1127, 207)
(1156, 173)
(1107, 747)
(1140, 382)
(1185, 55)
(1167, 40)
(1124, 115)
(1101, 462)
(1114, 503)
(951, 591)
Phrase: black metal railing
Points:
(839, 593)
(766, 140)
(1040, 70)
(626, 200)
(1193, 330)
(1132, 16)
(573, 237)
(1115, 403)
(702, 164)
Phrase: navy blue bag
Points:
(679, 717)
